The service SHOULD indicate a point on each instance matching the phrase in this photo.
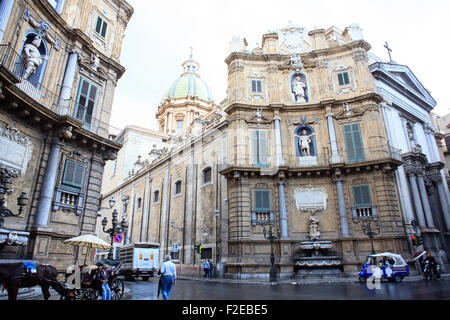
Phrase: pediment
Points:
(401, 78)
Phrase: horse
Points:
(15, 275)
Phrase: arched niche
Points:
(36, 78)
(305, 130)
(299, 86)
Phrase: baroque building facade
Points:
(300, 146)
(60, 64)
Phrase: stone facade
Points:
(302, 134)
(63, 108)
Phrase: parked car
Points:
(385, 265)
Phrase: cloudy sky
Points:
(160, 34)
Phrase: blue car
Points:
(385, 265)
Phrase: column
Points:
(147, 205)
(67, 85)
(5, 13)
(342, 209)
(443, 201)
(335, 158)
(283, 215)
(416, 199)
(48, 185)
(425, 202)
(278, 147)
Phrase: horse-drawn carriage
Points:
(89, 286)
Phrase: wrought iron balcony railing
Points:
(14, 64)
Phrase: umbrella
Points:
(419, 254)
(89, 241)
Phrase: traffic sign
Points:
(118, 238)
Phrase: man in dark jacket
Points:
(103, 278)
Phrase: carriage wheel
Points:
(117, 289)
(89, 294)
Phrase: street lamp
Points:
(367, 229)
(115, 229)
(5, 190)
(271, 238)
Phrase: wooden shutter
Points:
(361, 196)
(259, 147)
(87, 96)
(104, 26)
(73, 174)
(353, 142)
(98, 27)
(262, 200)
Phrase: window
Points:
(259, 148)
(139, 203)
(257, 86)
(343, 78)
(156, 196)
(261, 212)
(206, 175)
(73, 175)
(206, 253)
(177, 187)
(353, 142)
(87, 96)
(261, 200)
(100, 27)
(362, 201)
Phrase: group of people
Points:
(208, 269)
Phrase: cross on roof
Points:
(389, 51)
(191, 52)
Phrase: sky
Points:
(160, 34)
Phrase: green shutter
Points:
(353, 143)
(259, 148)
(361, 196)
(73, 174)
(98, 27)
(262, 200)
(87, 96)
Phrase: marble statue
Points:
(95, 61)
(304, 144)
(314, 232)
(298, 88)
(32, 56)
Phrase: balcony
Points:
(262, 217)
(364, 213)
(14, 66)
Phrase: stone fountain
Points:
(315, 256)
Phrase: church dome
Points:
(189, 84)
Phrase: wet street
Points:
(209, 290)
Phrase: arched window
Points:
(35, 78)
(177, 189)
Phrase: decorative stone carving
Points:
(296, 62)
(314, 232)
(310, 198)
(95, 61)
(32, 56)
(298, 88)
(15, 151)
(293, 39)
(305, 144)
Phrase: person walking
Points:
(205, 267)
(169, 276)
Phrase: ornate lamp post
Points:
(367, 229)
(116, 228)
(5, 190)
(271, 238)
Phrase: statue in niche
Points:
(314, 232)
(304, 144)
(32, 56)
(298, 88)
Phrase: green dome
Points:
(189, 84)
